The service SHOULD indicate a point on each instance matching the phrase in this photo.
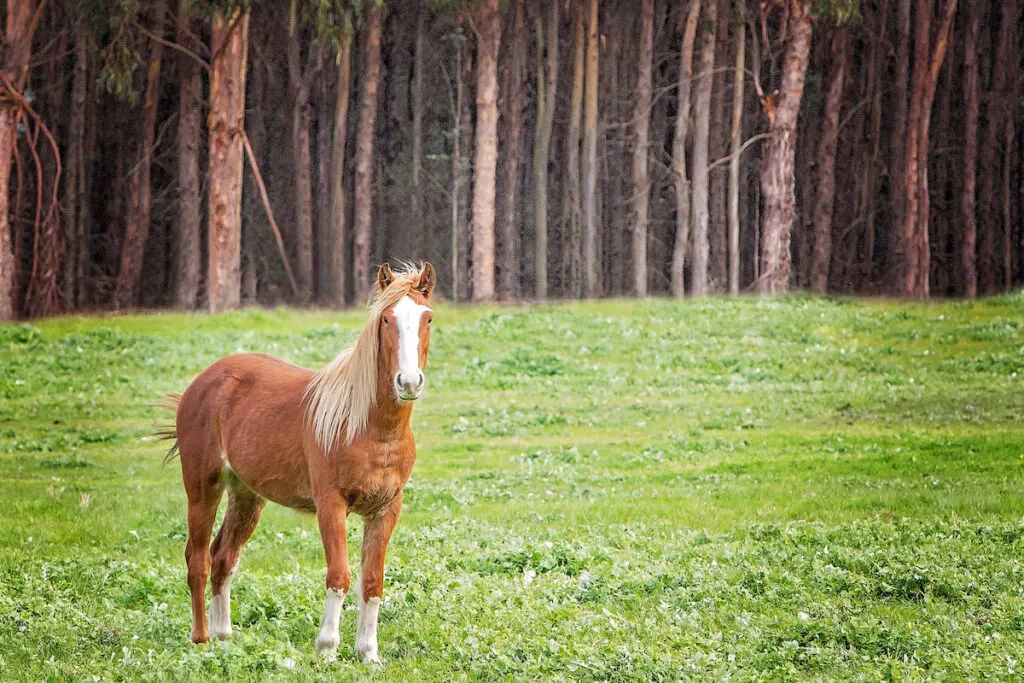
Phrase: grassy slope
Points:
(768, 488)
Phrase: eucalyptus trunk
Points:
(486, 149)
(827, 144)
(777, 171)
(680, 183)
(547, 84)
(140, 192)
(641, 122)
(701, 145)
(370, 82)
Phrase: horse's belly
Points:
(279, 475)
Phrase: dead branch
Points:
(266, 207)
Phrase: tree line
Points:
(213, 153)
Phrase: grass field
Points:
(745, 488)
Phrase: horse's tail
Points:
(168, 432)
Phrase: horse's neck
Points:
(388, 417)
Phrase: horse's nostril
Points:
(422, 380)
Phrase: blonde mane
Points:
(340, 395)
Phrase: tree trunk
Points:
(322, 194)
(701, 142)
(572, 237)
(336, 244)
(299, 80)
(681, 185)
(547, 84)
(17, 48)
(225, 121)
(139, 189)
(1003, 67)
(718, 144)
(591, 264)
(188, 255)
(926, 74)
(75, 198)
(777, 179)
(968, 215)
(826, 185)
(1012, 14)
(364, 154)
(734, 161)
(641, 121)
(901, 84)
(417, 122)
(871, 171)
(486, 150)
(509, 265)
(255, 219)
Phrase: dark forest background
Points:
(529, 148)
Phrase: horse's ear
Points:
(427, 279)
(385, 277)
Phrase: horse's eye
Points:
(386, 321)
(430, 320)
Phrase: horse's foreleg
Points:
(330, 513)
(376, 536)
(240, 521)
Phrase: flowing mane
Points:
(341, 393)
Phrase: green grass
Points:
(745, 488)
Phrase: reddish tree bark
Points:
(22, 18)
(968, 216)
(488, 25)
(827, 143)
(364, 153)
(777, 180)
(225, 123)
(139, 189)
(915, 180)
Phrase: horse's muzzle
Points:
(409, 388)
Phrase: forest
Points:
(209, 154)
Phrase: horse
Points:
(330, 442)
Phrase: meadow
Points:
(755, 489)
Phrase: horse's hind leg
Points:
(202, 512)
(240, 521)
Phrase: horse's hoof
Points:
(222, 635)
(199, 638)
(369, 656)
(327, 645)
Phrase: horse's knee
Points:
(372, 586)
(339, 579)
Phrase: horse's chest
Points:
(388, 467)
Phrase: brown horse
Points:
(332, 442)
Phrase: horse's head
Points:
(405, 334)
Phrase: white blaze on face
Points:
(408, 314)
